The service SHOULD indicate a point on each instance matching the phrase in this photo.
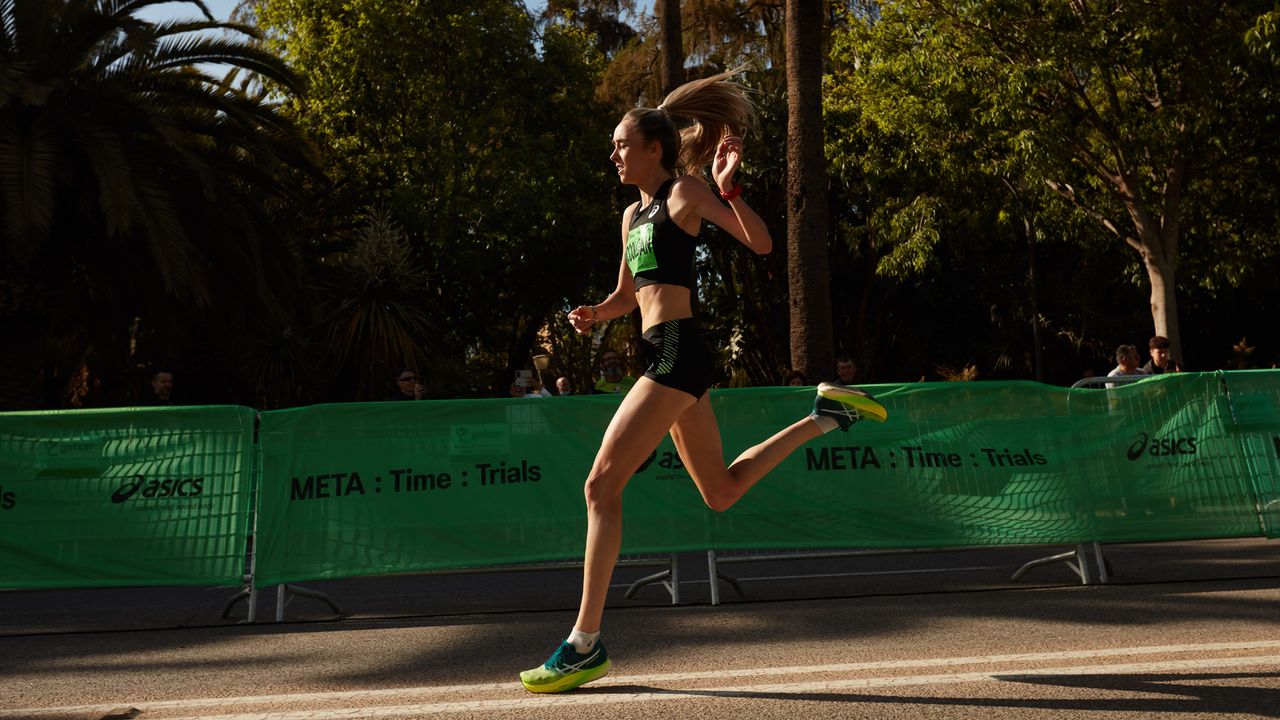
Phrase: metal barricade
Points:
(1078, 559)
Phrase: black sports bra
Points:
(658, 251)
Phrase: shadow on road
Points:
(1185, 696)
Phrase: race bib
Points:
(640, 255)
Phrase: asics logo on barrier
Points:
(666, 460)
(647, 462)
(1144, 444)
(168, 487)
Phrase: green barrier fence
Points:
(160, 496)
(401, 487)
(126, 497)
(1254, 400)
(1006, 463)
(383, 488)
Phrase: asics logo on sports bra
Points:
(656, 207)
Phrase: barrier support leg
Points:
(1080, 567)
(246, 592)
(714, 576)
(243, 594)
(282, 590)
(673, 587)
(670, 579)
(1104, 565)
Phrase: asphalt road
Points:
(1185, 630)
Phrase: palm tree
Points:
(668, 12)
(132, 180)
(373, 317)
(807, 274)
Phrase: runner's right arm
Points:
(621, 301)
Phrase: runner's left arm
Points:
(738, 219)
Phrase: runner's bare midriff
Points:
(661, 303)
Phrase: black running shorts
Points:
(677, 356)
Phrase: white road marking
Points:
(745, 691)
(392, 693)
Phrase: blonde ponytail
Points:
(717, 108)
(691, 121)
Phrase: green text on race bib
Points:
(640, 255)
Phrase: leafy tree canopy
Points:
(133, 184)
(1148, 119)
(490, 152)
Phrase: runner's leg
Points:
(646, 413)
(697, 438)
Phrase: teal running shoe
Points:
(566, 669)
(847, 405)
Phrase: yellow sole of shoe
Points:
(572, 681)
(866, 405)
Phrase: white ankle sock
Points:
(826, 423)
(583, 641)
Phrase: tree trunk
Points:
(1164, 302)
(807, 272)
(672, 44)
(1037, 354)
(1155, 235)
(1157, 244)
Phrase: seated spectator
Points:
(795, 378)
(536, 389)
(1161, 360)
(612, 378)
(161, 388)
(563, 386)
(846, 370)
(408, 387)
(1126, 363)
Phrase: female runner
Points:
(660, 151)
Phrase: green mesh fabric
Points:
(144, 496)
(403, 487)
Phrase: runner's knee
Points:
(719, 504)
(718, 498)
(603, 491)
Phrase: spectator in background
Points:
(408, 387)
(613, 380)
(1126, 363)
(517, 390)
(1161, 361)
(795, 378)
(536, 389)
(563, 386)
(846, 370)
(161, 388)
